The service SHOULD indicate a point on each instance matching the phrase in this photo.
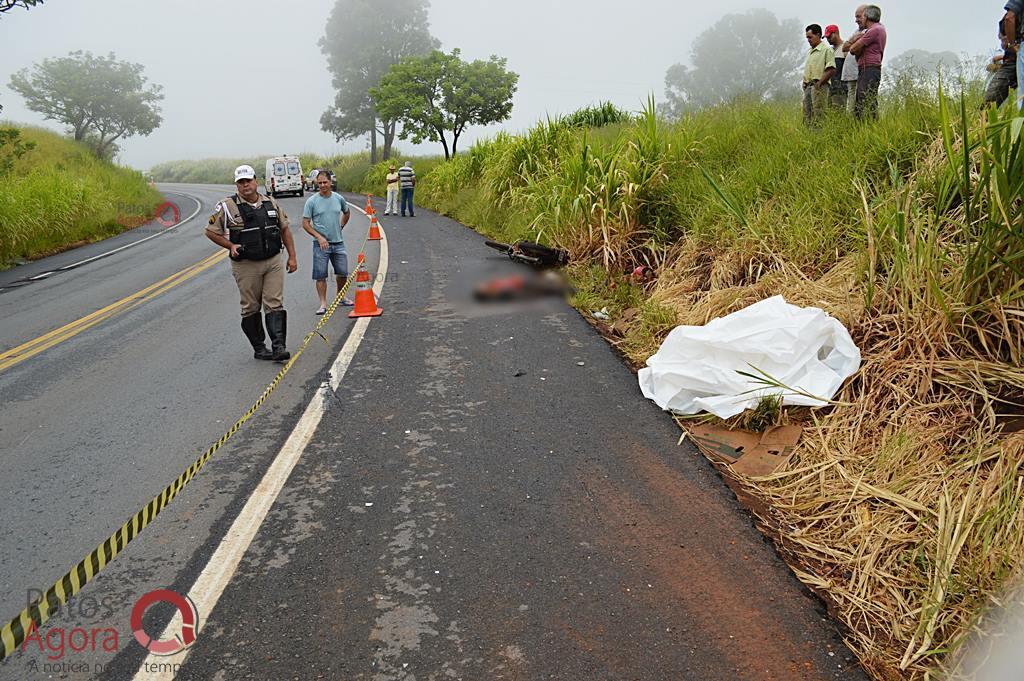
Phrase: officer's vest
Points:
(260, 235)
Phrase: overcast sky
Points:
(248, 78)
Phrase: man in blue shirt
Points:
(326, 213)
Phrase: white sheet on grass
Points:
(802, 347)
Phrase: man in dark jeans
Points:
(407, 183)
(1012, 29)
(836, 86)
(1004, 71)
(868, 46)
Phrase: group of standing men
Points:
(845, 75)
(254, 230)
(401, 181)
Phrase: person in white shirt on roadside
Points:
(392, 179)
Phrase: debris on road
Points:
(747, 453)
(531, 253)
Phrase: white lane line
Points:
(106, 254)
(223, 564)
(199, 207)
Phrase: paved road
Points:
(92, 428)
(488, 496)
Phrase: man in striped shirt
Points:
(407, 181)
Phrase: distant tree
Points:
(440, 93)
(99, 95)
(362, 40)
(743, 54)
(923, 67)
(7, 5)
(925, 60)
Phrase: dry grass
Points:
(903, 504)
(903, 507)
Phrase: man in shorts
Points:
(324, 216)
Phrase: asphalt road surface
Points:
(486, 496)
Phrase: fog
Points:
(249, 78)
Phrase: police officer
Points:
(253, 228)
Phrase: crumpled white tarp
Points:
(802, 347)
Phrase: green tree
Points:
(99, 95)
(440, 93)
(743, 54)
(362, 40)
(8, 5)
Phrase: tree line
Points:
(755, 54)
(392, 80)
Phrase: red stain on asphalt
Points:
(682, 540)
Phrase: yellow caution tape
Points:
(39, 611)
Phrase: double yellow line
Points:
(33, 347)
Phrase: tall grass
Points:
(59, 194)
(902, 506)
(205, 171)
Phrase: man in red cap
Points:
(837, 88)
(818, 71)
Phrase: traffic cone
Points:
(369, 205)
(366, 304)
(374, 229)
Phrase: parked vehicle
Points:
(311, 179)
(284, 176)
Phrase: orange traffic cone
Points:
(366, 304)
(374, 229)
(369, 205)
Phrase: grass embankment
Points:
(59, 194)
(903, 505)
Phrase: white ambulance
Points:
(283, 176)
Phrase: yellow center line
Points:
(33, 347)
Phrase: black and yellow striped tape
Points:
(39, 611)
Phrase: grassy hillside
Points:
(903, 505)
(349, 168)
(59, 194)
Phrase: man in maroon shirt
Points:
(868, 46)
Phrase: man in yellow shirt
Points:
(819, 70)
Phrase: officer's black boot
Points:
(252, 325)
(277, 328)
